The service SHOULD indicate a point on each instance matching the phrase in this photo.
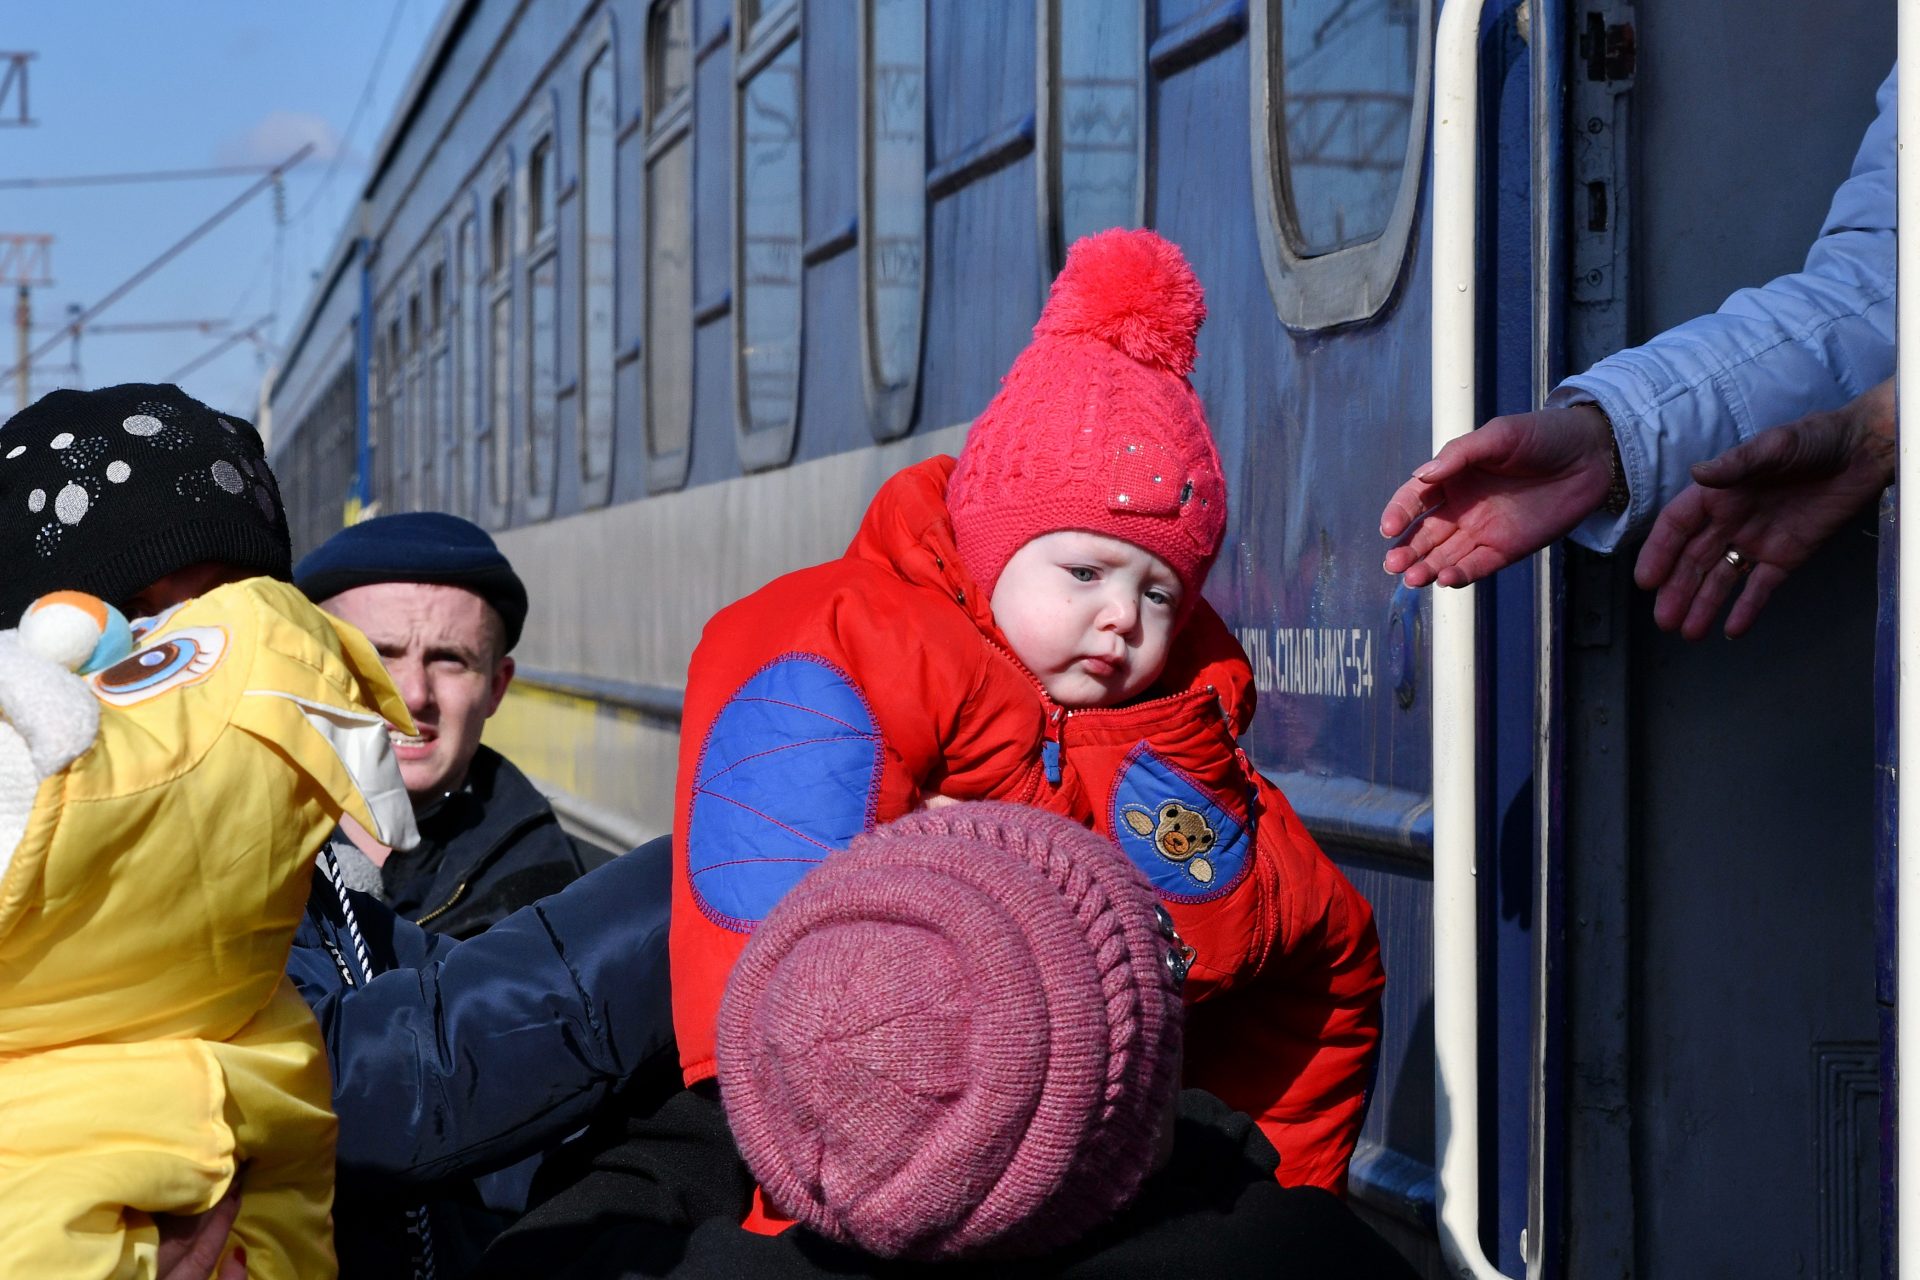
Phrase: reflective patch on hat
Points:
(117, 472)
(15, 452)
(227, 476)
(789, 773)
(61, 441)
(37, 501)
(1142, 477)
(1191, 849)
(141, 424)
(71, 504)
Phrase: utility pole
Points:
(13, 88)
(26, 261)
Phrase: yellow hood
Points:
(161, 873)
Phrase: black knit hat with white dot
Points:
(109, 491)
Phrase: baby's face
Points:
(1090, 615)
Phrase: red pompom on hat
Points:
(1096, 426)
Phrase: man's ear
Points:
(497, 685)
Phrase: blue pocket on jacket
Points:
(790, 772)
(1191, 849)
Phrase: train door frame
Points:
(1906, 517)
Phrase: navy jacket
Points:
(485, 851)
(456, 1059)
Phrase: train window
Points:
(378, 376)
(669, 56)
(500, 407)
(1337, 154)
(466, 269)
(543, 295)
(893, 221)
(767, 236)
(539, 437)
(433, 411)
(434, 490)
(667, 348)
(398, 468)
(498, 244)
(597, 277)
(496, 437)
(419, 428)
(540, 191)
(1093, 164)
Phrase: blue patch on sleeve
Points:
(790, 772)
(1191, 849)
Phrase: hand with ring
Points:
(1758, 511)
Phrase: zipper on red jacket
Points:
(1050, 745)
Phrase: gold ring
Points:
(1739, 562)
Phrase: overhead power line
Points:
(178, 247)
(150, 175)
(249, 334)
(141, 326)
(359, 108)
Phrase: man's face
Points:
(441, 646)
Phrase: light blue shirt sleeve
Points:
(1801, 343)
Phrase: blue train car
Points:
(661, 290)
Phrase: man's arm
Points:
(1804, 342)
(476, 1053)
(1801, 343)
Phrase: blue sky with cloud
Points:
(128, 86)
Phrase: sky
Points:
(119, 86)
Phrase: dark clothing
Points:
(660, 1193)
(453, 1060)
(485, 851)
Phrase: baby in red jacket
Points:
(1027, 625)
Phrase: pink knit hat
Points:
(1096, 426)
(958, 1036)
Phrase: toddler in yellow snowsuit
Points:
(158, 824)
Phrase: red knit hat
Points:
(959, 1036)
(1096, 426)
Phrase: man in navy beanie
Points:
(445, 608)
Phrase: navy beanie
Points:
(109, 491)
(416, 546)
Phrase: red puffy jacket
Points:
(842, 696)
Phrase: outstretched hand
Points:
(1774, 498)
(1499, 494)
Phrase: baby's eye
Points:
(1080, 573)
(1160, 596)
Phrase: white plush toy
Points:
(48, 715)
